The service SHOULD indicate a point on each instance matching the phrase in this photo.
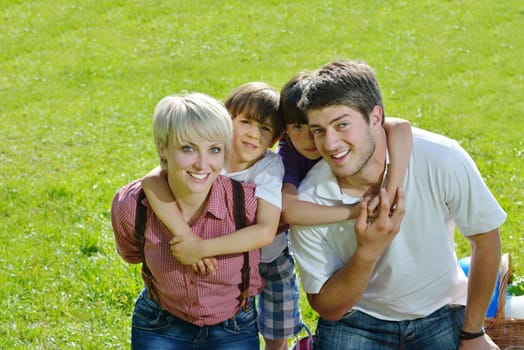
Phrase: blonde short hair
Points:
(180, 118)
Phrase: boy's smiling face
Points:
(251, 139)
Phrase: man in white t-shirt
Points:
(392, 280)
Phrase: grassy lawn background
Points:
(80, 80)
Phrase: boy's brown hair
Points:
(257, 101)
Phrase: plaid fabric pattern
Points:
(278, 309)
(195, 298)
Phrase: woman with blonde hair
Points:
(181, 308)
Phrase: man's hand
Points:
(374, 234)
(480, 343)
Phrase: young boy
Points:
(256, 127)
(299, 154)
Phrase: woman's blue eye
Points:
(216, 150)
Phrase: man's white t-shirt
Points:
(419, 272)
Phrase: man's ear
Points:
(376, 116)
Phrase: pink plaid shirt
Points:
(195, 298)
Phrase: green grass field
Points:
(79, 81)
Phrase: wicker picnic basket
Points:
(507, 333)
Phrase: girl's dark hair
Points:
(290, 95)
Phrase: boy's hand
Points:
(205, 266)
(187, 249)
(354, 210)
(374, 234)
(373, 204)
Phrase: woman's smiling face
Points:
(193, 166)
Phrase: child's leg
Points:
(275, 344)
(279, 312)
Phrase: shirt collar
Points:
(217, 197)
(329, 188)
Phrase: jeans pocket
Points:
(244, 321)
(148, 314)
(348, 316)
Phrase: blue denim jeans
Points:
(438, 331)
(155, 328)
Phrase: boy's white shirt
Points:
(267, 174)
